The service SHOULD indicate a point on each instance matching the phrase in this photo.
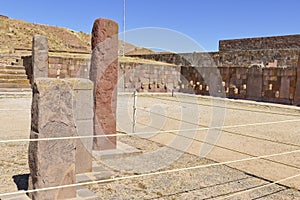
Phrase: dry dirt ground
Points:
(192, 148)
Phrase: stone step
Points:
(8, 90)
(23, 81)
(13, 76)
(22, 92)
(12, 71)
(12, 67)
(15, 94)
(15, 85)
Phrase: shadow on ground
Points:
(21, 181)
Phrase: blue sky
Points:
(205, 21)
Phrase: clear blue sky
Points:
(206, 21)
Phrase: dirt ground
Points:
(181, 132)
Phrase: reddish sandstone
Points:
(104, 74)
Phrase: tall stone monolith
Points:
(52, 162)
(39, 57)
(104, 74)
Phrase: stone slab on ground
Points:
(121, 150)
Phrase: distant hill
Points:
(18, 34)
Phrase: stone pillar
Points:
(39, 57)
(52, 162)
(83, 105)
(254, 83)
(297, 91)
(104, 74)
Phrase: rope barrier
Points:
(260, 187)
(210, 105)
(233, 133)
(150, 132)
(229, 149)
(253, 157)
(151, 174)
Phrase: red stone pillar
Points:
(104, 74)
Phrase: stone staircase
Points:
(13, 79)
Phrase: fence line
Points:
(152, 173)
(233, 133)
(210, 105)
(151, 132)
(259, 187)
(252, 157)
(229, 149)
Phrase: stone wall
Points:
(256, 68)
(263, 84)
(148, 77)
(62, 67)
(266, 58)
(144, 77)
(279, 42)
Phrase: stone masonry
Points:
(275, 57)
(297, 92)
(83, 105)
(39, 56)
(104, 74)
(52, 162)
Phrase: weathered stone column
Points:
(83, 105)
(104, 74)
(39, 57)
(297, 92)
(52, 162)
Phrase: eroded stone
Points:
(52, 162)
(83, 106)
(104, 74)
(39, 56)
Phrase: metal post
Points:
(124, 26)
(134, 111)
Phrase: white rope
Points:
(151, 132)
(259, 187)
(151, 174)
(225, 107)
(232, 133)
(124, 26)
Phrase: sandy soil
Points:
(181, 148)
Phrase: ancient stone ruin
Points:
(104, 74)
(52, 162)
(63, 108)
(39, 56)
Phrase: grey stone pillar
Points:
(52, 162)
(83, 105)
(104, 74)
(39, 57)
(254, 83)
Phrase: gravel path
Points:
(205, 183)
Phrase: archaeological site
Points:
(82, 121)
